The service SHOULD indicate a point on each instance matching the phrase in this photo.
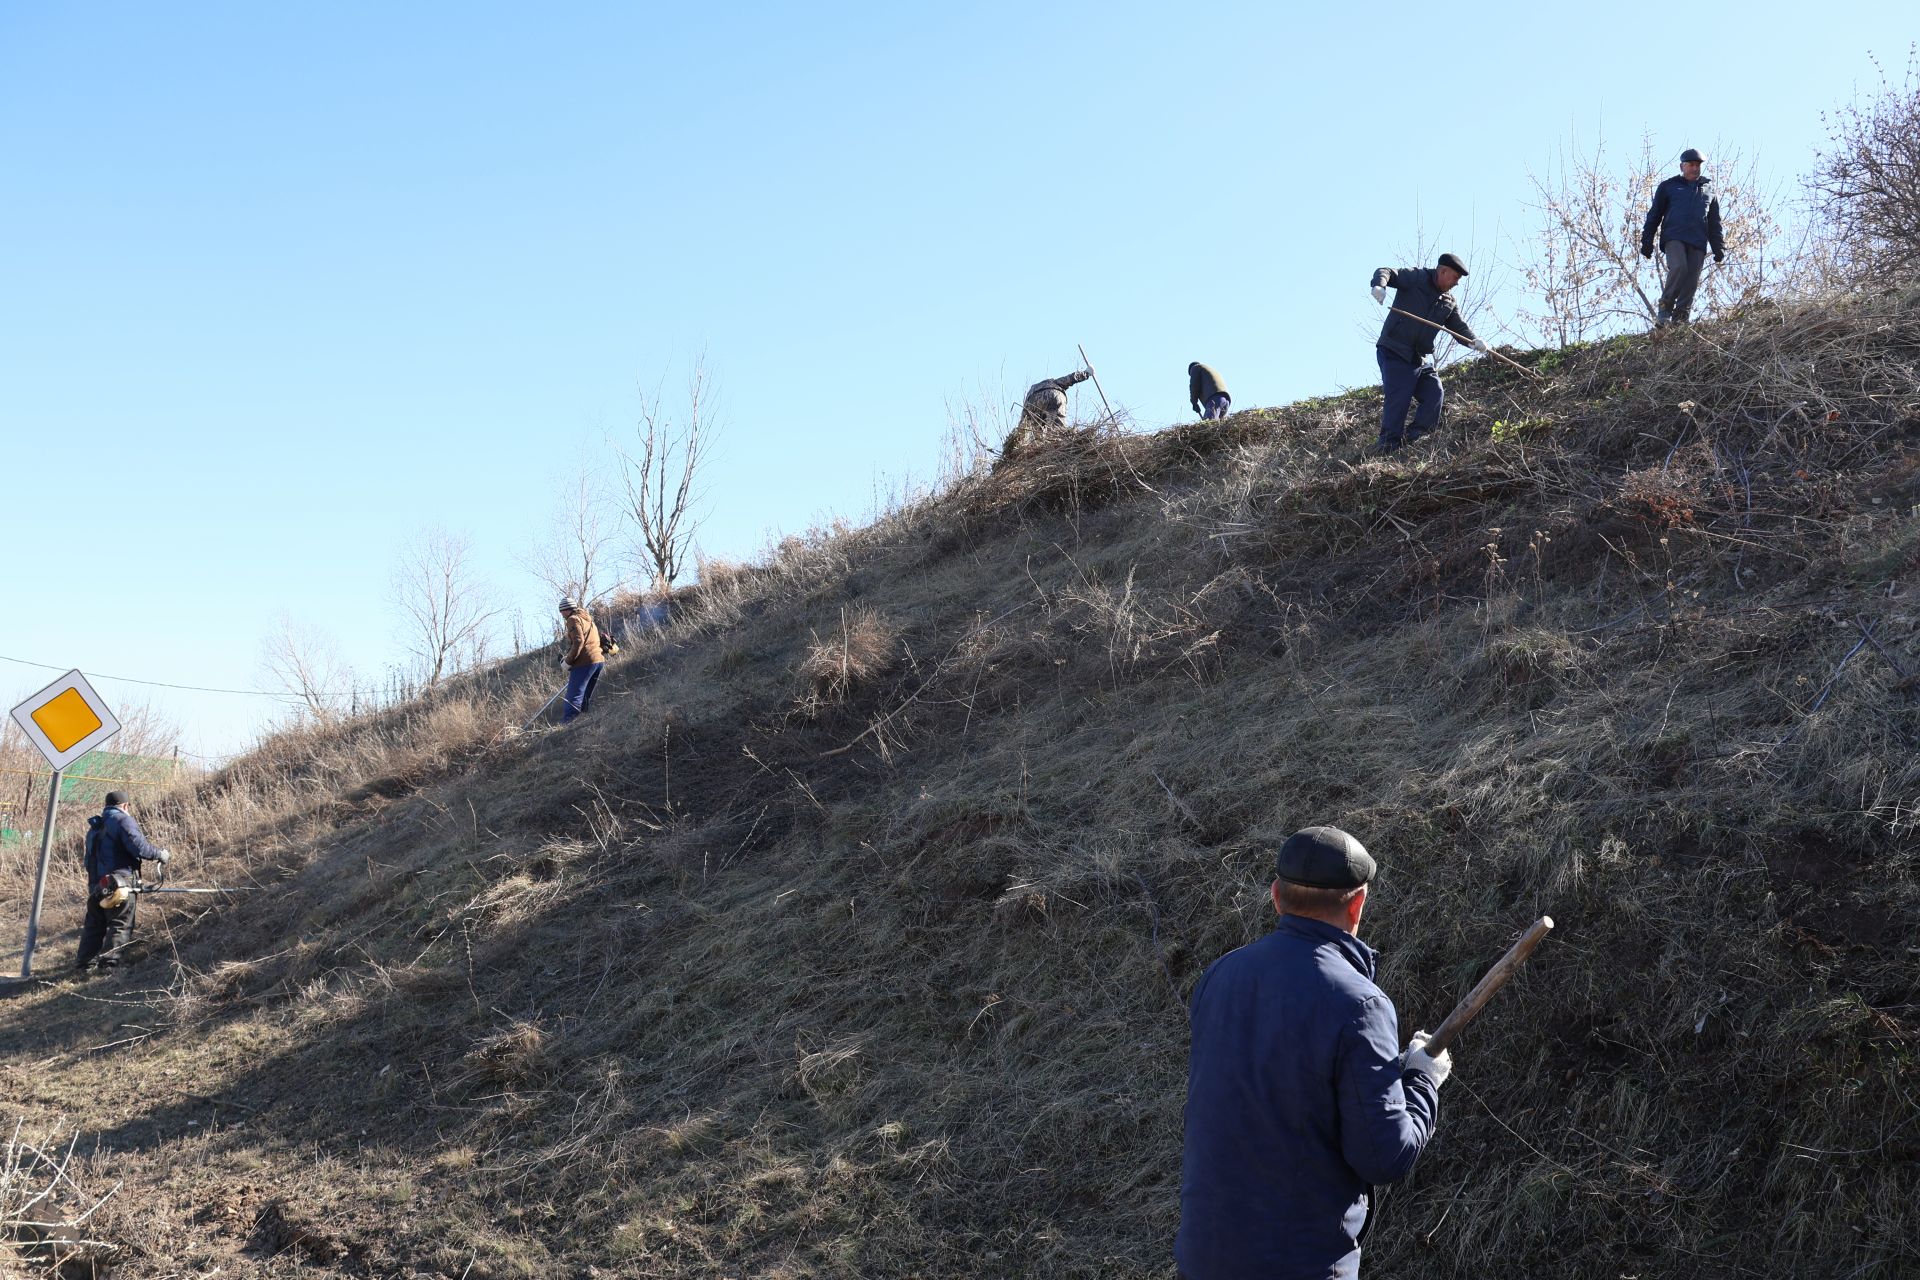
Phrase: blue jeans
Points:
(1404, 383)
(1215, 407)
(580, 682)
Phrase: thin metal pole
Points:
(1401, 311)
(40, 882)
(1096, 381)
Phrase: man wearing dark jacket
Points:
(1684, 220)
(1206, 392)
(1405, 346)
(1299, 1100)
(115, 848)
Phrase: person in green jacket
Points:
(1206, 392)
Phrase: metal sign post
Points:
(40, 881)
(64, 721)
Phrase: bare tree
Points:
(660, 493)
(1866, 182)
(576, 557)
(1586, 274)
(304, 660)
(446, 609)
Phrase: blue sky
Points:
(282, 284)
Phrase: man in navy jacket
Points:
(114, 851)
(1299, 1099)
(1685, 219)
(1405, 345)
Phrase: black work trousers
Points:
(105, 933)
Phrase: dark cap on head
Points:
(1690, 156)
(1325, 858)
(116, 799)
(1452, 260)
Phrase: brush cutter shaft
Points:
(143, 890)
(1442, 328)
(1482, 992)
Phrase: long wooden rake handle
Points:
(1476, 1000)
(1399, 311)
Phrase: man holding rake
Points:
(1421, 308)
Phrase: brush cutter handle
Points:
(1442, 328)
(1509, 964)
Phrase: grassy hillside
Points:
(850, 934)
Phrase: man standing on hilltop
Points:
(1404, 348)
(1206, 393)
(583, 658)
(1299, 1100)
(115, 848)
(1685, 219)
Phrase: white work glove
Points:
(1418, 1059)
(162, 859)
(1480, 345)
(1380, 294)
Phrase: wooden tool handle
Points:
(1509, 964)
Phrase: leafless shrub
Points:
(305, 661)
(660, 479)
(573, 560)
(43, 1203)
(1866, 182)
(445, 607)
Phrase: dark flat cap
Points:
(1453, 260)
(116, 798)
(1690, 156)
(1325, 858)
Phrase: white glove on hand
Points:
(1417, 1058)
(1480, 345)
(1380, 294)
(162, 859)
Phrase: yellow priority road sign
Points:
(66, 720)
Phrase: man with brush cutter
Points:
(1421, 308)
(1299, 1100)
(115, 848)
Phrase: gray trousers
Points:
(1683, 277)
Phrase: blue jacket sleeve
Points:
(1656, 212)
(1714, 237)
(1386, 1115)
(1386, 278)
(131, 838)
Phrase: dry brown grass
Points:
(865, 647)
(699, 986)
